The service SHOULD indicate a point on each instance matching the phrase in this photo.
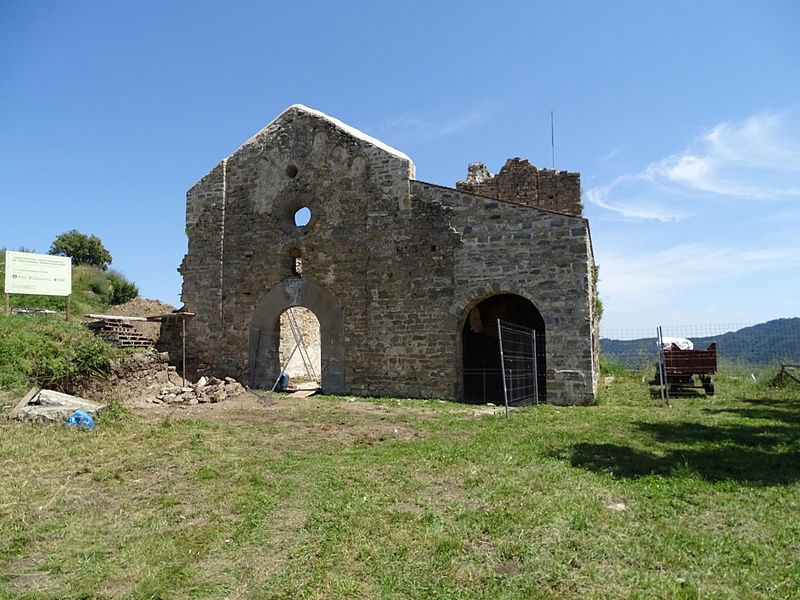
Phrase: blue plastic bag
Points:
(80, 419)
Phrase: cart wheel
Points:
(708, 386)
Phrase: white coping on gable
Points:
(347, 129)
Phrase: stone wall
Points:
(521, 182)
(243, 238)
(391, 266)
(541, 256)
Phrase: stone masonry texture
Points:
(519, 181)
(404, 277)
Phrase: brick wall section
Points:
(404, 261)
(521, 182)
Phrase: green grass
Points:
(45, 351)
(330, 498)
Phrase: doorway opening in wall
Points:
(482, 370)
(265, 334)
(299, 349)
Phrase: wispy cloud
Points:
(649, 281)
(611, 154)
(635, 196)
(756, 159)
(409, 126)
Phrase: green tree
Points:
(83, 249)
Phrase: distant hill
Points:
(773, 342)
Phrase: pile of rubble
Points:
(139, 379)
(207, 389)
(146, 377)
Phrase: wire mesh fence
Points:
(483, 385)
(773, 343)
(518, 355)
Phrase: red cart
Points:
(677, 368)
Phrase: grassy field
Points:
(341, 498)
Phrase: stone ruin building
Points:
(407, 279)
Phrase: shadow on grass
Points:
(655, 392)
(786, 411)
(764, 452)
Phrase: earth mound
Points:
(142, 307)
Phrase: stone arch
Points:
(264, 326)
(481, 378)
(359, 168)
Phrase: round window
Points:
(302, 217)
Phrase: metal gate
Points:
(518, 361)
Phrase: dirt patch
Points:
(508, 567)
(27, 577)
(145, 384)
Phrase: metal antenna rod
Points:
(552, 140)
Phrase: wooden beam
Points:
(116, 318)
(168, 316)
(24, 402)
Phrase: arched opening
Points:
(299, 347)
(266, 329)
(294, 260)
(480, 346)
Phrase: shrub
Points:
(613, 368)
(94, 279)
(122, 290)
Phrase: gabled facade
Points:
(406, 278)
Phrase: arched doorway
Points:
(265, 330)
(480, 348)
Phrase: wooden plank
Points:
(116, 318)
(170, 316)
(24, 402)
(785, 371)
(677, 361)
(302, 393)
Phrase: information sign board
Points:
(28, 273)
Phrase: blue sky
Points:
(683, 119)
